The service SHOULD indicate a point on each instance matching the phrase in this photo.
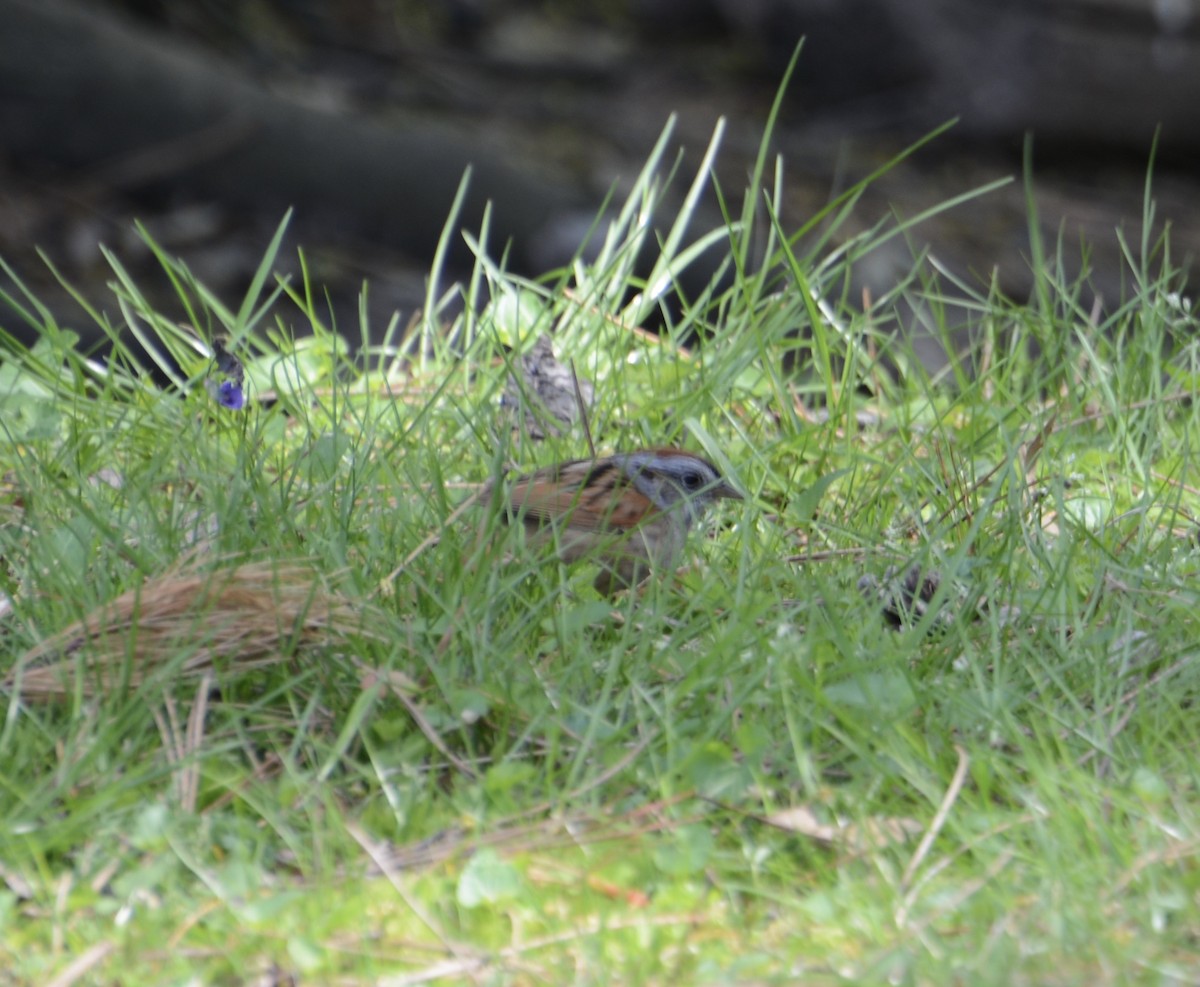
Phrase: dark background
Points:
(207, 119)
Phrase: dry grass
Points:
(187, 622)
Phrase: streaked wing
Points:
(581, 494)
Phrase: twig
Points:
(583, 412)
(189, 777)
(387, 681)
(372, 849)
(966, 892)
(593, 927)
(1131, 406)
(939, 819)
(432, 735)
(1165, 855)
(829, 554)
(82, 964)
(386, 584)
(1154, 679)
(963, 849)
(681, 351)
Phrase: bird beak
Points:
(727, 491)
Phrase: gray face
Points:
(686, 483)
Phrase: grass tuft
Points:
(919, 710)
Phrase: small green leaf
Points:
(469, 705)
(803, 506)
(508, 775)
(716, 774)
(326, 453)
(8, 909)
(28, 419)
(487, 879)
(887, 693)
(149, 826)
(1149, 786)
(260, 910)
(687, 851)
(517, 318)
(305, 953)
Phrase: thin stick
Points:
(939, 820)
(379, 857)
(79, 967)
(385, 585)
(431, 734)
(189, 777)
(644, 334)
(385, 679)
(583, 412)
(960, 898)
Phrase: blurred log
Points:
(1076, 72)
(1092, 72)
(88, 98)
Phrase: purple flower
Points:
(230, 395)
(225, 377)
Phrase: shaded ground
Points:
(581, 101)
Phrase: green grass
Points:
(480, 771)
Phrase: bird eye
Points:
(693, 480)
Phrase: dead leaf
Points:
(872, 833)
(247, 615)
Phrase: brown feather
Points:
(630, 513)
(583, 493)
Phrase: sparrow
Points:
(631, 512)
